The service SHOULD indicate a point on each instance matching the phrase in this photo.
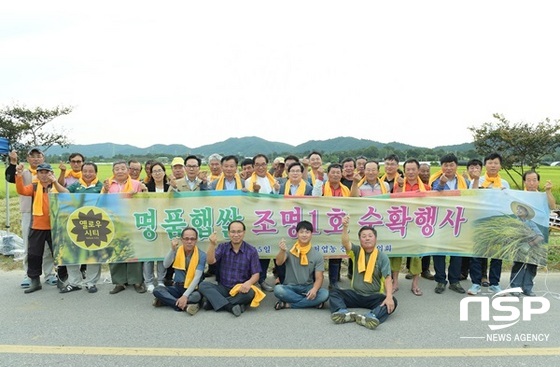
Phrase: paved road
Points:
(47, 328)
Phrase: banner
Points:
(113, 228)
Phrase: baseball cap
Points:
(35, 150)
(177, 160)
(44, 167)
(279, 160)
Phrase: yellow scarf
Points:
(33, 175)
(299, 192)
(254, 180)
(259, 295)
(313, 177)
(461, 183)
(92, 183)
(221, 182)
(327, 191)
(301, 252)
(38, 200)
(421, 186)
(380, 182)
(74, 174)
(494, 181)
(368, 275)
(179, 264)
(127, 185)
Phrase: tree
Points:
(520, 144)
(26, 128)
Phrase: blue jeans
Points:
(453, 271)
(170, 295)
(347, 298)
(294, 294)
(494, 273)
(522, 275)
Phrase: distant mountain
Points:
(245, 147)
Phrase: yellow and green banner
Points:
(113, 228)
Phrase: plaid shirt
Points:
(237, 267)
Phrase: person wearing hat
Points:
(34, 157)
(523, 274)
(40, 231)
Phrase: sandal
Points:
(395, 290)
(416, 291)
(280, 305)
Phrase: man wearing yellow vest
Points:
(371, 285)
(188, 262)
(304, 272)
(448, 179)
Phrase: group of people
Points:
(181, 281)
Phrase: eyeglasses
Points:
(191, 166)
(260, 164)
(72, 161)
(188, 239)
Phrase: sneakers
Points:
(118, 288)
(494, 289)
(440, 288)
(192, 308)
(70, 288)
(26, 282)
(343, 316)
(51, 280)
(474, 289)
(236, 310)
(140, 288)
(529, 293)
(266, 287)
(427, 275)
(92, 289)
(369, 321)
(456, 287)
(150, 288)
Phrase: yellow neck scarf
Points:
(368, 269)
(33, 175)
(127, 185)
(301, 252)
(461, 183)
(254, 179)
(421, 186)
(328, 191)
(38, 200)
(180, 264)
(74, 174)
(299, 192)
(259, 294)
(92, 183)
(221, 185)
(494, 181)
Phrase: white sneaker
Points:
(150, 288)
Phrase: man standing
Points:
(194, 180)
(491, 180)
(391, 170)
(448, 179)
(371, 286)
(215, 165)
(40, 232)
(304, 272)
(67, 178)
(35, 157)
(239, 269)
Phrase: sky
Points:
(200, 72)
